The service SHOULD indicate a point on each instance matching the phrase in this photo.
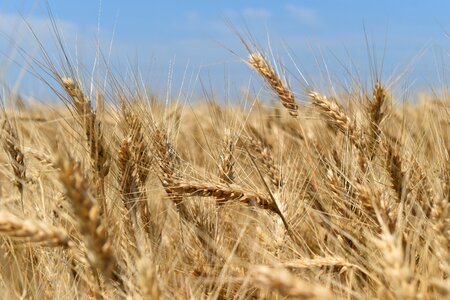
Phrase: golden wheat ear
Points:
(11, 146)
(90, 223)
(100, 157)
(261, 65)
(32, 231)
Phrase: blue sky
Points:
(192, 38)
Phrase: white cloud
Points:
(305, 15)
(15, 27)
(256, 13)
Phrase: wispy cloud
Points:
(28, 31)
(14, 24)
(305, 15)
(256, 13)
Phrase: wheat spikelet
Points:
(285, 95)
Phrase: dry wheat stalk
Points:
(32, 231)
(259, 62)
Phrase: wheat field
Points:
(305, 195)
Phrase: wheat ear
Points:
(11, 146)
(222, 194)
(32, 231)
(376, 113)
(226, 165)
(395, 169)
(260, 64)
(139, 151)
(100, 157)
(87, 212)
(283, 281)
(336, 117)
(264, 155)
